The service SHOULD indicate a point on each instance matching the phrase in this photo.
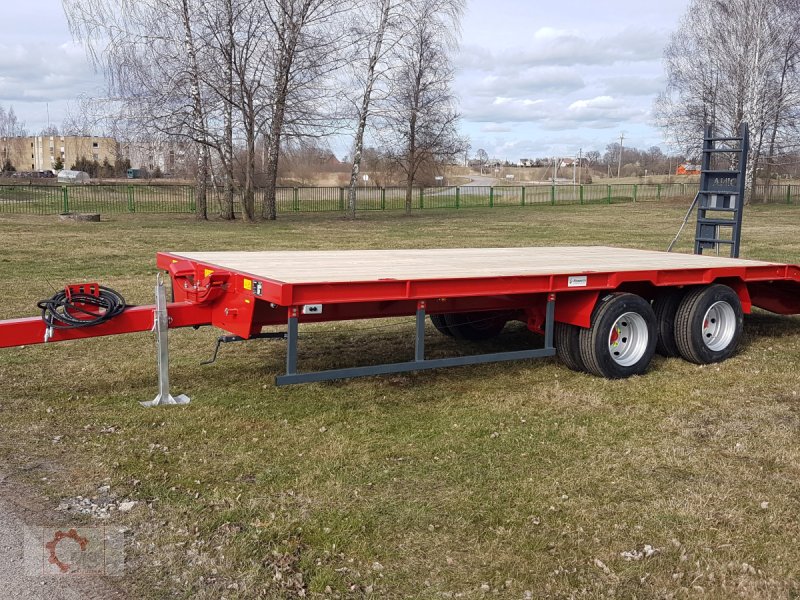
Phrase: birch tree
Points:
(10, 125)
(730, 62)
(149, 53)
(371, 40)
(306, 47)
(420, 117)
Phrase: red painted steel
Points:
(242, 304)
(358, 292)
(31, 330)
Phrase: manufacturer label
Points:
(257, 288)
(577, 281)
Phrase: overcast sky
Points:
(534, 78)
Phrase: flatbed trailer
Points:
(603, 310)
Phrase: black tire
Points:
(438, 321)
(567, 341)
(631, 319)
(475, 326)
(665, 307)
(709, 324)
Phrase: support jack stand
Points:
(161, 327)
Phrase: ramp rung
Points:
(723, 222)
(713, 241)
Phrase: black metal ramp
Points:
(721, 195)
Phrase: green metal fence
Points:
(50, 199)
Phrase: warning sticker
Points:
(247, 283)
(577, 281)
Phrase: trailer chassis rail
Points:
(420, 363)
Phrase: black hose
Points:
(64, 311)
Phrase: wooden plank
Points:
(376, 265)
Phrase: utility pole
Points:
(574, 165)
(619, 164)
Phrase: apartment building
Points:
(39, 153)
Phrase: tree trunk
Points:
(409, 195)
(201, 178)
(362, 121)
(249, 195)
(270, 208)
(226, 207)
(201, 185)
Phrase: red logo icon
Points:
(51, 546)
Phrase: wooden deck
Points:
(408, 265)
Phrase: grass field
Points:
(520, 480)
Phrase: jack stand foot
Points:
(159, 401)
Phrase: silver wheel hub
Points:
(628, 338)
(719, 326)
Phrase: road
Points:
(17, 581)
(481, 181)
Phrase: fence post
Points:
(422, 197)
(553, 195)
(458, 197)
(609, 192)
(635, 190)
(64, 200)
(658, 191)
(131, 204)
(491, 197)
(295, 200)
(523, 195)
(580, 193)
(192, 206)
(383, 198)
(341, 198)
(789, 194)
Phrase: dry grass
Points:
(490, 481)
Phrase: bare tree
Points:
(10, 125)
(729, 62)
(420, 116)
(307, 40)
(372, 39)
(482, 157)
(149, 52)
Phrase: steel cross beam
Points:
(419, 363)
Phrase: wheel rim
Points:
(627, 340)
(719, 326)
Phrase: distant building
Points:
(568, 162)
(170, 156)
(687, 169)
(40, 152)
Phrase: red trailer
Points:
(603, 310)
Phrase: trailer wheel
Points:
(622, 338)
(568, 346)
(665, 307)
(438, 321)
(475, 326)
(709, 324)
